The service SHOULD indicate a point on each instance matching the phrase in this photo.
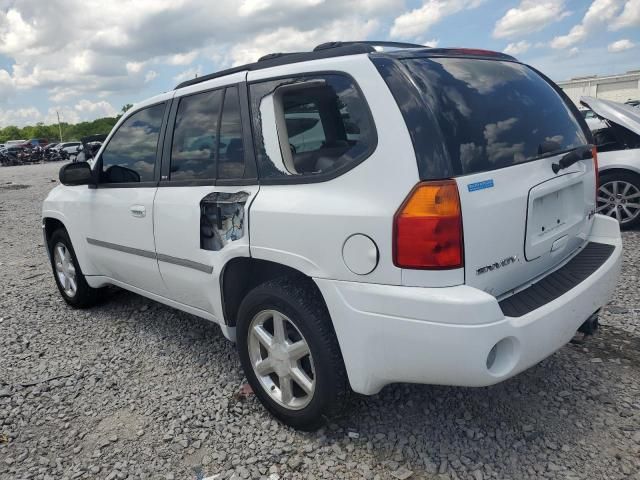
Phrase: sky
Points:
(87, 58)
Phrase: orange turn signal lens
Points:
(428, 228)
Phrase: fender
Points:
(79, 246)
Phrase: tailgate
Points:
(503, 127)
(525, 224)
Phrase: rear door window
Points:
(193, 149)
(231, 151)
(492, 114)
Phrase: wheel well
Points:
(614, 171)
(240, 275)
(51, 225)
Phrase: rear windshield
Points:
(494, 114)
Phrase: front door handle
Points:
(138, 211)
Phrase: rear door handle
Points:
(138, 211)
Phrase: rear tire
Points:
(290, 353)
(67, 273)
(619, 197)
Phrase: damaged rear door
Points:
(208, 182)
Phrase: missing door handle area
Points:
(221, 219)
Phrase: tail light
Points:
(428, 228)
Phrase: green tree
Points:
(50, 132)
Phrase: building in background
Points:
(618, 88)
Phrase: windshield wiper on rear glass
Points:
(581, 153)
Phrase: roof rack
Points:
(324, 50)
(371, 43)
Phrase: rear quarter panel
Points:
(305, 225)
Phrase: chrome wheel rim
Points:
(65, 270)
(620, 200)
(281, 359)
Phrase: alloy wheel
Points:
(281, 359)
(620, 200)
(65, 270)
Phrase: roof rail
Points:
(325, 50)
(270, 56)
(371, 43)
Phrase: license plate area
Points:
(556, 209)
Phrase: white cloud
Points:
(253, 7)
(528, 17)
(600, 12)
(134, 67)
(81, 111)
(107, 48)
(289, 39)
(188, 74)
(630, 16)
(182, 58)
(102, 108)
(620, 46)
(433, 43)
(19, 116)
(517, 48)
(150, 76)
(6, 85)
(418, 21)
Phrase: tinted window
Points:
(194, 138)
(231, 153)
(130, 155)
(310, 125)
(492, 114)
(304, 127)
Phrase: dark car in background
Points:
(35, 142)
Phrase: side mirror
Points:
(76, 174)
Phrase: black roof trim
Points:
(325, 50)
(371, 43)
(450, 52)
(339, 49)
(275, 60)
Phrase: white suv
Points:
(351, 218)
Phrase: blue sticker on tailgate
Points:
(473, 187)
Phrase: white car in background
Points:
(593, 121)
(69, 147)
(618, 144)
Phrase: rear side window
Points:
(310, 126)
(492, 114)
(130, 155)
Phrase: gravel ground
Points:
(134, 389)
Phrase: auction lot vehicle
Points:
(618, 143)
(35, 142)
(593, 121)
(351, 218)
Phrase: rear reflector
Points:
(428, 228)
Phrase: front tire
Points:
(67, 273)
(619, 198)
(290, 353)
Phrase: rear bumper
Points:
(446, 336)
